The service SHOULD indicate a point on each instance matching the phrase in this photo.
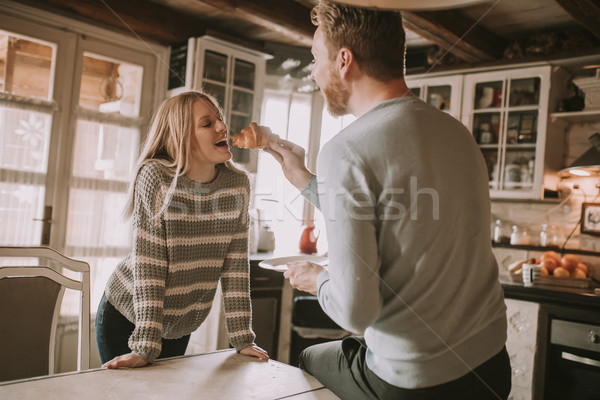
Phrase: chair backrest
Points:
(30, 299)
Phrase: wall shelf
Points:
(577, 116)
(541, 248)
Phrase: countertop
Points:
(557, 295)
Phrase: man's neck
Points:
(367, 93)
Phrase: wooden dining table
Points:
(221, 374)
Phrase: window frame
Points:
(72, 38)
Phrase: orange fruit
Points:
(578, 274)
(544, 271)
(552, 254)
(569, 261)
(583, 267)
(549, 263)
(561, 272)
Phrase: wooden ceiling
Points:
(475, 34)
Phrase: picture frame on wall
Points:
(590, 218)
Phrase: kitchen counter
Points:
(557, 295)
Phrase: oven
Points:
(572, 356)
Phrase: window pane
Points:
(24, 139)
(524, 92)
(104, 151)
(439, 96)
(110, 86)
(280, 203)
(486, 128)
(19, 205)
(488, 94)
(330, 125)
(25, 66)
(100, 270)
(241, 102)
(215, 66)
(243, 74)
(217, 91)
(299, 121)
(519, 169)
(95, 220)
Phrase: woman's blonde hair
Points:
(168, 141)
(375, 37)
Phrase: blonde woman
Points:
(189, 205)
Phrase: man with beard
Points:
(404, 191)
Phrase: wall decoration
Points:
(590, 218)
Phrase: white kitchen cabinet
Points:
(444, 93)
(507, 112)
(233, 74)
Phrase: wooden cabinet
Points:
(444, 93)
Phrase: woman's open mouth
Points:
(222, 143)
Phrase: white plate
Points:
(280, 263)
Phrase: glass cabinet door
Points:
(502, 109)
(242, 102)
(231, 77)
(215, 75)
(443, 93)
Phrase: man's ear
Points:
(345, 61)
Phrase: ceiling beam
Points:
(134, 17)
(585, 12)
(459, 34)
(286, 17)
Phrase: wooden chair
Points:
(30, 299)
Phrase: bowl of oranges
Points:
(554, 270)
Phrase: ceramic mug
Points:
(436, 100)
(531, 273)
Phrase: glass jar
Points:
(500, 233)
(551, 236)
(520, 235)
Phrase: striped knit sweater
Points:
(167, 284)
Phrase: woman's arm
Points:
(235, 283)
(149, 258)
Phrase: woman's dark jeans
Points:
(113, 331)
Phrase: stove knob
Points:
(594, 337)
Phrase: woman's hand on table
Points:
(126, 360)
(255, 351)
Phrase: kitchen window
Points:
(301, 118)
(74, 104)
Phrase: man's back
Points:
(406, 203)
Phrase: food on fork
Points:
(252, 137)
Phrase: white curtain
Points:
(25, 126)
